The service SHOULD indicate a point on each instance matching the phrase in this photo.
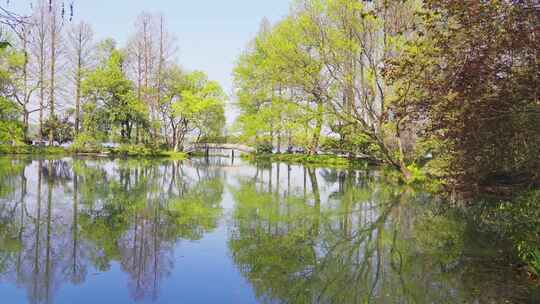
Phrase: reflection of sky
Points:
(198, 266)
(155, 261)
(204, 273)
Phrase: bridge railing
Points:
(211, 146)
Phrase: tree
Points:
(268, 106)
(329, 56)
(107, 87)
(11, 129)
(472, 77)
(16, 86)
(193, 105)
(149, 54)
(55, 36)
(80, 49)
(63, 129)
(128, 105)
(39, 45)
(14, 20)
(22, 87)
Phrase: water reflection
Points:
(75, 215)
(296, 234)
(359, 240)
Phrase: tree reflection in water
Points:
(78, 215)
(367, 243)
(297, 234)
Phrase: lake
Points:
(221, 230)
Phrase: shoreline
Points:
(60, 151)
(324, 160)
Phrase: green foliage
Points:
(146, 151)
(193, 105)
(85, 142)
(11, 128)
(135, 150)
(474, 96)
(11, 131)
(202, 102)
(268, 112)
(534, 261)
(32, 150)
(321, 68)
(417, 175)
(517, 220)
(111, 97)
(317, 160)
(264, 148)
(63, 129)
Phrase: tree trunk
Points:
(279, 142)
(159, 71)
(174, 137)
(41, 41)
(402, 165)
(25, 85)
(53, 74)
(317, 131)
(78, 93)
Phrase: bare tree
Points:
(134, 51)
(55, 28)
(39, 43)
(147, 57)
(80, 45)
(14, 20)
(160, 63)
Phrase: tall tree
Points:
(55, 33)
(80, 42)
(108, 87)
(330, 55)
(149, 51)
(40, 44)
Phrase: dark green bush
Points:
(264, 148)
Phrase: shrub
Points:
(24, 149)
(135, 150)
(84, 142)
(264, 148)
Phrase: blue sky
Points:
(211, 33)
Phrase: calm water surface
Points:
(224, 231)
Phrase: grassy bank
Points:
(122, 151)
(146, 152)
(314, 160)
(32, 150)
